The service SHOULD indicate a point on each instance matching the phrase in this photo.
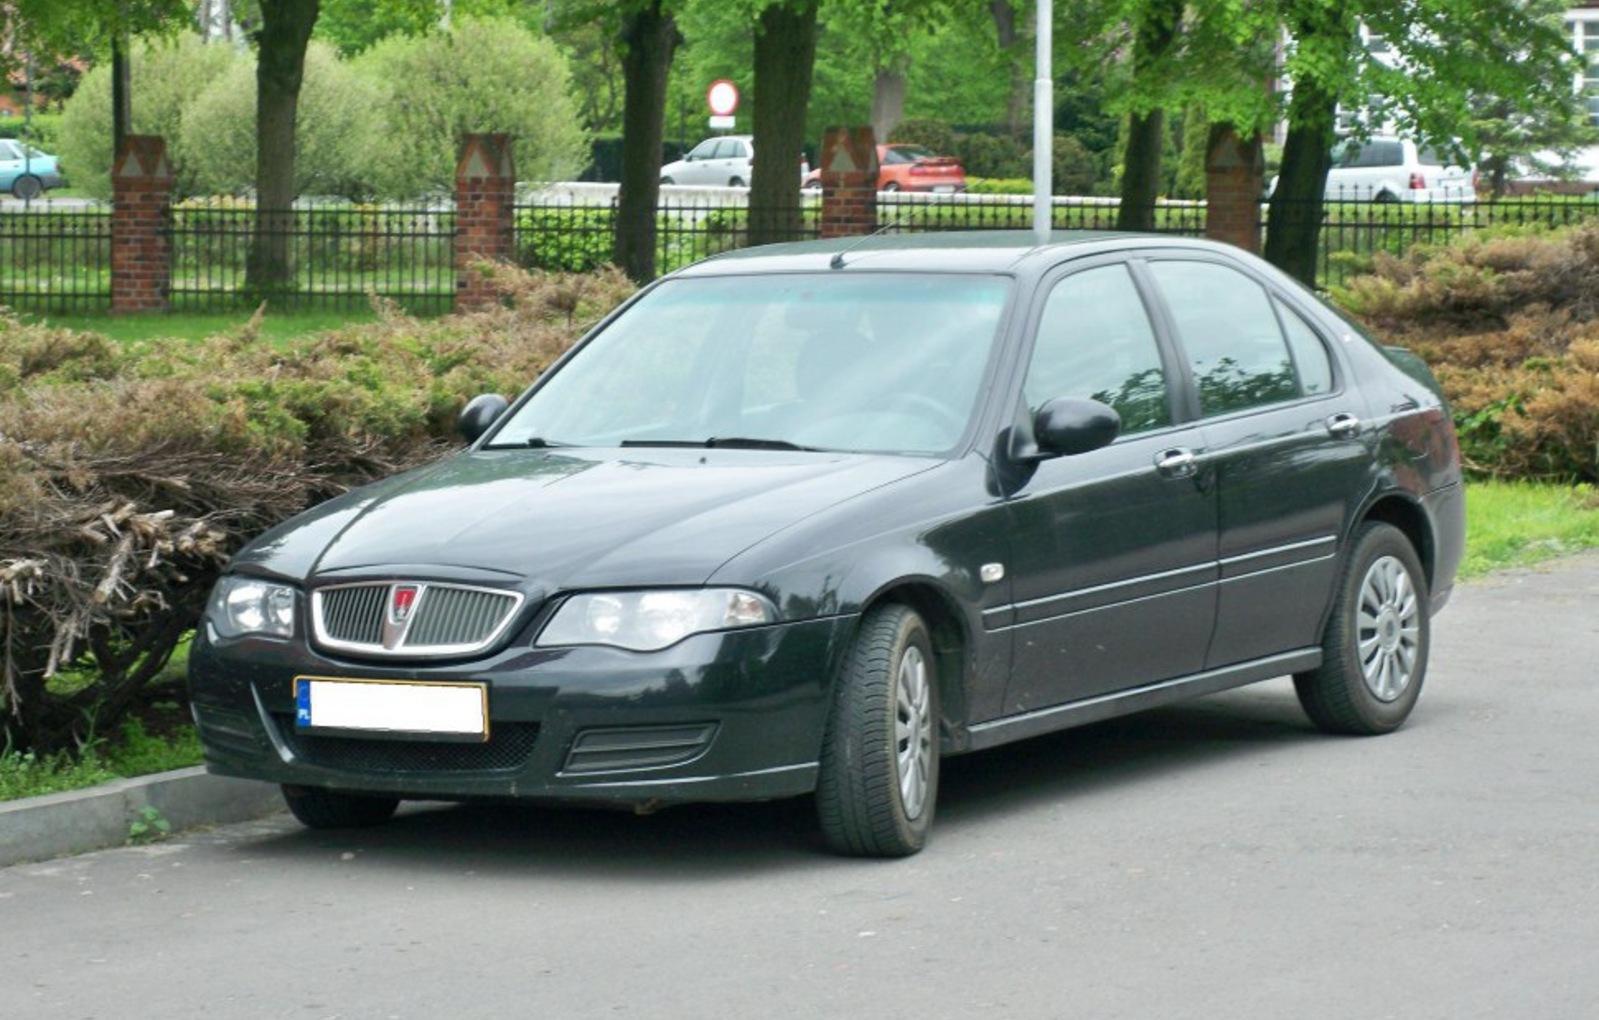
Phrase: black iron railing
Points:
(55, 261)
(334, 256)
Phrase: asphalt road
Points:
(1214, 860)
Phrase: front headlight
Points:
(647, 621)
(248, 605)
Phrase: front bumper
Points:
(717, 717)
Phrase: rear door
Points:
(1285, 443)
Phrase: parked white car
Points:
(723, 161)
(1389, 169)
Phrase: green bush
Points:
(129, 473)
(43, 130)
(986, 155)
(1509, 321)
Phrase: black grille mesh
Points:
(507, 750)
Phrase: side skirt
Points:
(1108, 706)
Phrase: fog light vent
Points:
(638, 747)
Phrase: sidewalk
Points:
(62, 824)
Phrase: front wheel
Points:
(1374, 651)
(879, 767)
(326, 809)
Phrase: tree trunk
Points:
(121, 93)
(280, 66)
(1021, 88)
(1293, 217)
(888, 97)
(785, 54)
(1141, 171)
(649, 38)
(1157, 32)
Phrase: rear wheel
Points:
(1374, 651)
(735, 182)
(26, 187)
(879, 768)
(326, 809)
(891, 187)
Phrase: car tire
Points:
(27, 187)
(667, 180)
(891, 187)
(327, 809)
(878, 782)
(735, 182)
(1374, 649)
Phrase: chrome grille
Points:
(410, 618)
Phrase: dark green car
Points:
(802, 520)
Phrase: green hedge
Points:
(128, 474)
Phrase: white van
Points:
(1389, 169)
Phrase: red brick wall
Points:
(485, 199)
(141, 213)
(849, 182)
(1234, 182)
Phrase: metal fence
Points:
(577, 237)
(60, 261)
(338, 255)
(54, 261)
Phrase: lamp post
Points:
(1043, 123)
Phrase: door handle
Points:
(1178, 462)
(1343, 426)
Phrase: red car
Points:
(906, 167)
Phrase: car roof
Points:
(945, 251)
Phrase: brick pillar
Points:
(849, 182)
(485, 209)
(1235, 170)
(141, 220)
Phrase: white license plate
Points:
(392, 707)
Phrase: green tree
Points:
(98, 26)
(338, 128)
(1443, 54)
(483, 75)
(172, 76)
(281, 41)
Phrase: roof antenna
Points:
(837, 261)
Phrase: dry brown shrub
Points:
(129, 475)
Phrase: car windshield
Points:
(854, 362)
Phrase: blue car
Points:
(27, 172)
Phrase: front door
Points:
(1113, 554)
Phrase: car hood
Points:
(553, 520)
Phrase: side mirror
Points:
(1068, 426)
(480, 412)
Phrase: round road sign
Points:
(722, 97)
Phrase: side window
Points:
(1230, 334)
(1095, 341)
(1310, 353)
(704, 149)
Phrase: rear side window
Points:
(1230, 335)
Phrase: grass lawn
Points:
(275, 326)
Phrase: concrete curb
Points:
(62, 824)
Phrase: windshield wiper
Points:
(721, 443)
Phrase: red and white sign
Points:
(722, 97)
